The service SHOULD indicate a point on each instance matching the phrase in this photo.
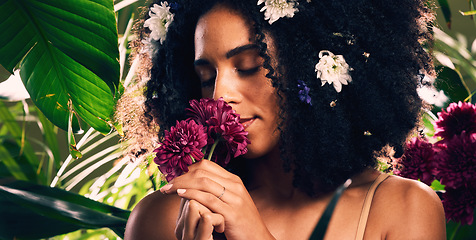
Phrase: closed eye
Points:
(248, 72)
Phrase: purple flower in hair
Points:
(304, 92)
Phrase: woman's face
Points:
(229, 66)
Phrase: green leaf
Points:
(56, 210)
(451, 82)
(445, 8)
(67, 50)
(49, 134)
(25, 149)
(456, 231)
(13, 167)
(428, 118)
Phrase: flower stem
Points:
(455, 231)
(213, 149)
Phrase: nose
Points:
(227, 87)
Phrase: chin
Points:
(252, 155)
(256, 152)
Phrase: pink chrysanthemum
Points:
(223, 125)
(457, 118)
(456, 162)
(180, 144)
(418, 161)
(459, 204)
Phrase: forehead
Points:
(220, 30)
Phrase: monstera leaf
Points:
(67, 54)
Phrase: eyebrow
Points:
(240, 49)
(229, 54)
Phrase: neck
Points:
(268, 176)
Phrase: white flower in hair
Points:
(276, 9)
(159, 21)
(333, 69)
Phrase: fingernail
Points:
(166, 187)
(181, 191)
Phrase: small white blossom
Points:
(333, 69)
(159, 21)
(276, 9)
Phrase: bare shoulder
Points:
(153, 217)
(408, 209)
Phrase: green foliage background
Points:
(59, 150)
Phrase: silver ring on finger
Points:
(222, 193)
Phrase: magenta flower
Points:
(418, 161)
(183, 142)
(456, 162)
(459, 204)
(458, 117)
(224, 128)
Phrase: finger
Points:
(209, 222)
(211, 167)
(203, 184)
(179, 225)
(192, 218)
(208, 200)
(182, 206)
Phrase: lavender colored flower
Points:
(456, 162)
(457, 118)
(223, 125)
(418, 161)
(459, 204)
(183, 142)
(304, 92)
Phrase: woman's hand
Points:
(196, 222)
(215, 200)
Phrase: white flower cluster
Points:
(159, 21)
(333, 69)
(276, 9)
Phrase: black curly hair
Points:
(338, 134)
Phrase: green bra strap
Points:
(321, 227)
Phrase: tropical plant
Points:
(68, 90)
(74, 65)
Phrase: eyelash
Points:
(248, 72)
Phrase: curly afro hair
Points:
(323, 143)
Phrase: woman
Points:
(322, 87)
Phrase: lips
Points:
(246, 122)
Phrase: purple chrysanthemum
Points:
(459, 204)
(223, 125)
(457, 118)
(184, 141)
(456, 162)
(418, 161)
